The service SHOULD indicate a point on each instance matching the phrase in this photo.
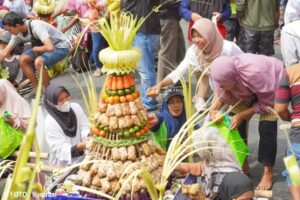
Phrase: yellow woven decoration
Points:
(44, 6)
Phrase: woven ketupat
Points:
(10, 139)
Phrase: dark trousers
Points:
(99, 43)
(267, 141)
(172, 47)
(233, 28)
(260, 42)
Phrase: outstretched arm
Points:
(283, 111)
(154, 91)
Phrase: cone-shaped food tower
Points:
(120, 131)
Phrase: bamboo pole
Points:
(263, 193)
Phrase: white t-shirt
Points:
(18, 6)
(290, 43)
(292, 11)
(41, 30)
(191, 59)
(293, 28)
(60, 144)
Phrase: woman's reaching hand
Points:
(217, 116)
(154, 91)
(152, 119)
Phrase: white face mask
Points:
(65, 107)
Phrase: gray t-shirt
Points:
(41, 30)
(12, 65)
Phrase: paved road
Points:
(279, 187)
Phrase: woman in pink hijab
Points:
(251, 80)
(208, 45)
(15, 105)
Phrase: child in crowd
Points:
(287, 92)
(166, 123)
(10, 62)
(13, 70)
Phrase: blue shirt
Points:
(186, 13)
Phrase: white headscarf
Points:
(13, 103)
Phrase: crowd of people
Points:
(231, 48)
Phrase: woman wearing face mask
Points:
(208, 44)
(65, 127)
(251, 81)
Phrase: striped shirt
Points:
(289, 91)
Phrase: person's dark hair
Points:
(12, 19)
(44, 15)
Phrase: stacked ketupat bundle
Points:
(120, 109)
(120, 163)
(44, 7)
(121, 140)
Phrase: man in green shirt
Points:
(258, 21)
